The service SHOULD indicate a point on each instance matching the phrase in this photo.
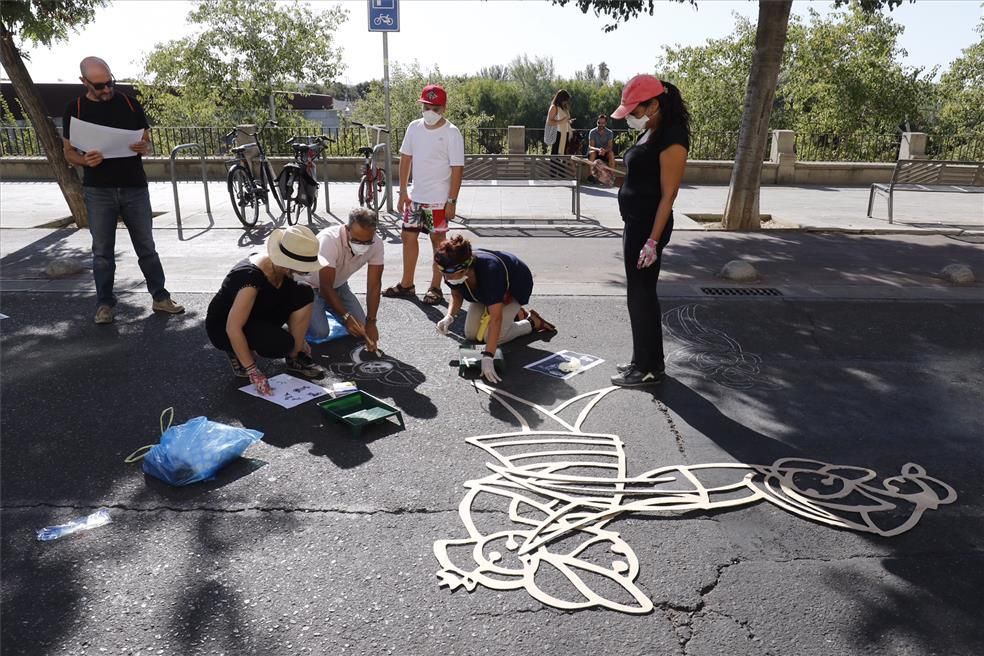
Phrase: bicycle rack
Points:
(174, 181)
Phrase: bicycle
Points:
(372, 185)
(245, 191)
(298, 180)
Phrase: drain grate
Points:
(741, 291)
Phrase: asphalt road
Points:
(320, 543)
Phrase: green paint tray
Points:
(358, 410)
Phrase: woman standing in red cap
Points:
(654, 169)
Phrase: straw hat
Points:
(295, 248)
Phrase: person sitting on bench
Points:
(601, 142)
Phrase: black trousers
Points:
(641, 296)
(264, 329)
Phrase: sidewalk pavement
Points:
(827, 259)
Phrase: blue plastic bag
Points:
(195, 450)
(337, 330)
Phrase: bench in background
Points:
(524, 171)
(930, 175)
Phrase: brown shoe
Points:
(104, 315)
(168, 306)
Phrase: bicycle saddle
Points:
(301, 148)
(365, 152)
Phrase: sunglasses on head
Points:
(99, 86)
(455, 268)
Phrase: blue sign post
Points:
(384, 15)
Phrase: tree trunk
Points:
(742, 209)
(27, 93)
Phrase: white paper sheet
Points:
(3, 316)
(550, 365)
(111, 142)
(288, 391)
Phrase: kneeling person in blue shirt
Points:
(497, 285)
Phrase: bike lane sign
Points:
(384, 15)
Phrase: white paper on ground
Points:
(111, 142)
(288, 391)
(550, 365)
(3, 316)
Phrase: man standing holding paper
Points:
(115, 185)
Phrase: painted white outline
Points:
(550, 507)
(711, 352)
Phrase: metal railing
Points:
(18, 141)
(858, 147)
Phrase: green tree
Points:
(243, 52)
(845, 76)
(406, 81)
(712, 77)
(961, 92)
(741, 211)
(43, 22)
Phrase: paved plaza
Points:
(317, 542)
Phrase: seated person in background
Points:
(601, 142)
(497, 285)
(258, 296)
(346, 249)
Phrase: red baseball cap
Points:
(434, 94)
(639, 89)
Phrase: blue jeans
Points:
(104, 205)
(320, 328)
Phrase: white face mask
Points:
(457, 281)
(431, 117)
(637, 123)
(359, 249)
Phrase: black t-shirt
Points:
(121, 112)
(272, 303)
(641, 192)
(496, 273)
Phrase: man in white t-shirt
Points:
(347, 249)
(434, 151)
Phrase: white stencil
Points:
(288, 391)
(563, 487)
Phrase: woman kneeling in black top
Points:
(654, 169)
(246, 318)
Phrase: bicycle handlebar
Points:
(378, 128)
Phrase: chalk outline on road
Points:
(579, 507)
(711, 352)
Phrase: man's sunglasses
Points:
(99, 86)
(362, 242)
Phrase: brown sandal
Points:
(541, 325)
(399, 291)
(433, 296)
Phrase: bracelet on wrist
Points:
(488, 354)
(251, 368)
(373, 320)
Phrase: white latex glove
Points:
(647, 255)
(488, 370)
(445, 324)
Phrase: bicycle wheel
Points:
(365, 192)
(379, 190)
(243, 196)
(291, 185)
(271, 184)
